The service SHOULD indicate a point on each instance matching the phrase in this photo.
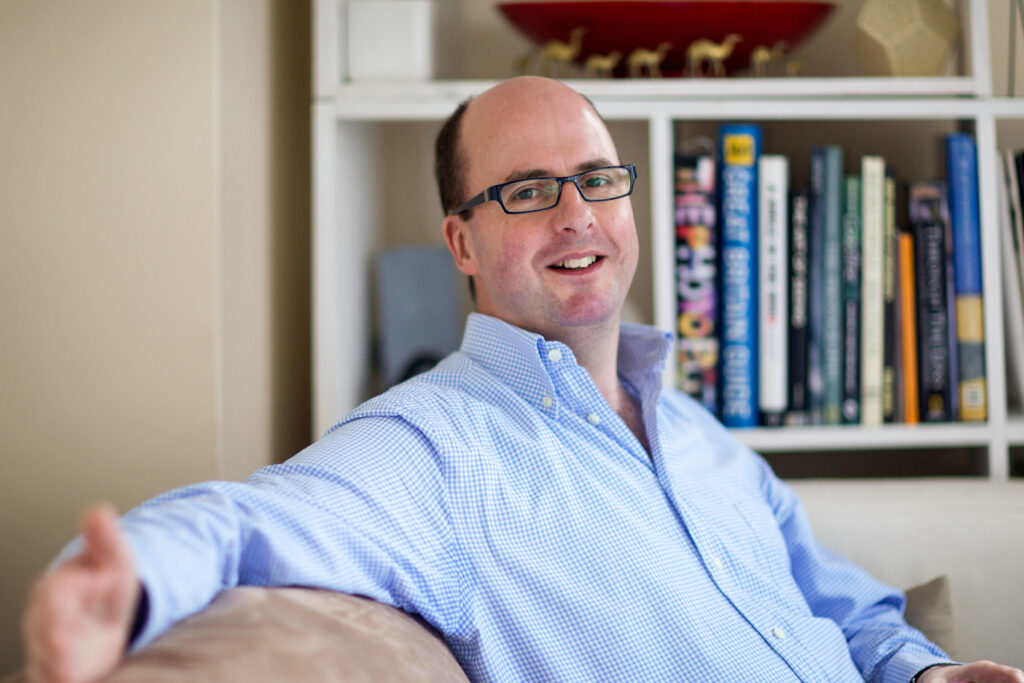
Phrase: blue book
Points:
(962, 179)
(740, 146)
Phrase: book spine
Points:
(773, 219)
(1013, 284)
(815, 290)
(740, 146)
(908, 332)
(832, 346)
(851, 300)
(872, 296)
(696, 279)
(889, 349)
(798, 207)
(926, 204)
(962, 175)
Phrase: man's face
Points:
(527, 266)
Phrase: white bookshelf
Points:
(351, 123)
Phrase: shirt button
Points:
(716, 563)
(554, 355)
(593, 419)
(779, 633)
(547, 401)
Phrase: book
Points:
(832, 346)
(889, 348)
(927, 205)
(909, 398)
(696, 262)
(740, 146)
(1013, 284)
(796, 413)
(1014, 188)
(772, 238)
(872, 295)
(850, 409)
(962, 176)
(816, 290)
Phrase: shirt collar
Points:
(518, 356)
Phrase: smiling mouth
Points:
(576, 263)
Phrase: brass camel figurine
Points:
(602, 66)
(763, 60)
(642, 58)
(557, 54)
(714, 53)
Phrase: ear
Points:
(460, 242)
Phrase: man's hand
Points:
(77, 620)
(975, 672)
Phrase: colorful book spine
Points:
(815, 289)
(740, 146)
(872, 295)
(908, 329)
(796, 413)
(832, 344)
(851, 300)
(696, 278)
(889, 331)
(773, 221)
(962, 176)
(927, 205)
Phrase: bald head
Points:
(484, 120)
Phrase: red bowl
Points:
(625, 25)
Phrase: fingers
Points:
(103, 540)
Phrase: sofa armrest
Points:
(293, 634)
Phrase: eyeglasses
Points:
(537, 194)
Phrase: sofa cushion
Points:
(930, 611)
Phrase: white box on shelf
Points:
(391, 40)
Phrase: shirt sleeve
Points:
(882, 645)
(363, 511)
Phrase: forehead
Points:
(549, 129)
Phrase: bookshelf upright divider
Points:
(353, 121)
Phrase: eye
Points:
(596, 180)
(525, 194)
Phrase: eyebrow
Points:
(520, 174)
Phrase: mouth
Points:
(577, 264)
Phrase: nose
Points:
(573, 211)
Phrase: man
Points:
(536, 497)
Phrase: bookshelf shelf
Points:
(367, 133)
(854, 437)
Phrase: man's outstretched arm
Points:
(79, 614)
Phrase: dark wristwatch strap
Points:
(917, 676)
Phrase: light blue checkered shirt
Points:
(502, 499)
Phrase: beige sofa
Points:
(905, 532)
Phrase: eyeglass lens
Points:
(535, 194)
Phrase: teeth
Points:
(578, 262)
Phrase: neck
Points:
(599, 354)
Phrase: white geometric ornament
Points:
(905, 37)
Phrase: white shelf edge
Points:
(861, 438)
(385, 109)
(671, 88)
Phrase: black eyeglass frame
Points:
(493, 193)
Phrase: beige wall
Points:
(153, 257)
